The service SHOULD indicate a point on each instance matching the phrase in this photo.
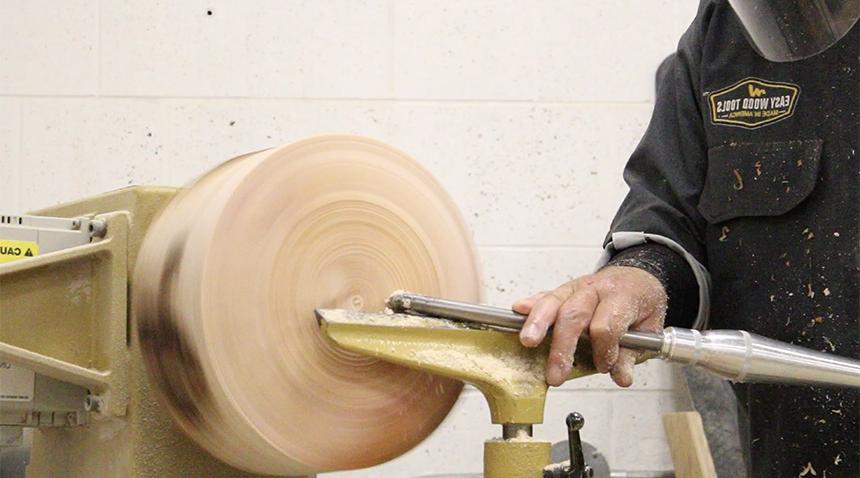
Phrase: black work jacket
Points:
(752, 167)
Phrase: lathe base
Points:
(515, 458)
(142, 442)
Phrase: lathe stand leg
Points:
(516, 458)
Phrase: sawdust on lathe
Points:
(387, 319)
(517, 372)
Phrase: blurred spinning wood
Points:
(227, 280)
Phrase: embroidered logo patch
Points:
(752, 103)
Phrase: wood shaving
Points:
(739, 180)
(809, 470)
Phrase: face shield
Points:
(789, 30)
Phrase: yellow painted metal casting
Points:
(510, 376)
(515, 459)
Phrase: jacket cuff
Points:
(673, 272)
(622, 240)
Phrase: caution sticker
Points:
(15, 250)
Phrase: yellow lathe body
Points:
(64, 315)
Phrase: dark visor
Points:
(789, 30)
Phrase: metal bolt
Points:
(513, 430)
(98, 228)
(93, 403)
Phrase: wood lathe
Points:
(163, 332)
(158, 332)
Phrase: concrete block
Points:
(477, 49)
(638, 438)
(527, 174)
(684, 13)
(601, 50)
(79, 147)
(338, 48)
(49, 48)
(594, 50)
(10, 134)
(511, 273)
(74, 148)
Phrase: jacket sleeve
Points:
(666, 172)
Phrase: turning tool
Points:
(736, 355)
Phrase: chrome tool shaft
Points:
(732, 354)
(416, 304)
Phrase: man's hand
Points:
(604, 304)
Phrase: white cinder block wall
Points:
(525, 110)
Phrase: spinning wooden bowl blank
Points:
(227, 281)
